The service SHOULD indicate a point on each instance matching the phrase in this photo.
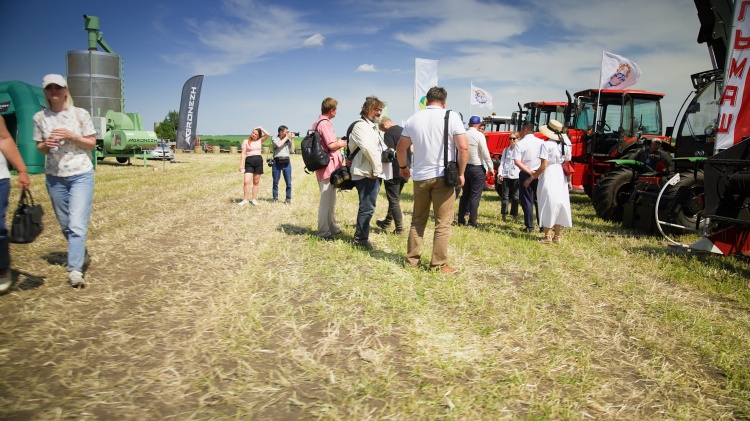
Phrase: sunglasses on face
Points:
(513, 138)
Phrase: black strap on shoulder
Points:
(324, 145)
(445, 138)
(349, 133)
(318, 123)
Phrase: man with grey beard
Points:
(366, 166)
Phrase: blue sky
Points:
(270, 63)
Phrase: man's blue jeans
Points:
(72, 198)
(276, 171)
(368, 189)
(4, 243)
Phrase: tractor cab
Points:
(624, 119)
(696, 133)
(540, 113)
(498, 123)
(497, 132)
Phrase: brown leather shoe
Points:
(446, 269)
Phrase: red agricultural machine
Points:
(627, 119)
(711, 191)
(539, 113)
(611, 127)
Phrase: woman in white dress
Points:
(553, 196)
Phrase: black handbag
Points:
(341, 178)
(451, 167)
(27, 220)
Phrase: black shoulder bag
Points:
(451, 168)
(27, 220)
(341, 177)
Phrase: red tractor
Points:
(609, 135)
(539, 113)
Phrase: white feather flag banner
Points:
(480, 97)
(425, 77)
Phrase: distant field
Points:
(235, 140)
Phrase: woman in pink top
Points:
(251, 163)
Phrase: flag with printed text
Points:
(187, 127)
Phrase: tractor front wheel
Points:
(612, 192)
(689, 205)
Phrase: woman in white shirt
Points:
(66, 135)
(554, 199)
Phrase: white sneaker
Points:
(254, 202)
(75, 278)
(243, 203)
(5, 281)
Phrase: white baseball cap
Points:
(54, 79)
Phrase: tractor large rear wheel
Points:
(690, 202)
(612, 192)
(588, 190)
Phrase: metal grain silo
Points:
(95, 81)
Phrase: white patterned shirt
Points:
(69, 159)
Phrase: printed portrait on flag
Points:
(618, 72)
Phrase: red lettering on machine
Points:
(734, 106)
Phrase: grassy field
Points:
(200, 309)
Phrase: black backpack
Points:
(313, 154)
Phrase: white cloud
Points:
(534, 53)
(343, 46)
(367, 68)
(249, 32)
(451, 22)
(314, 41)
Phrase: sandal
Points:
(546, 239)
(556, 239)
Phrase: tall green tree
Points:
(168, 127)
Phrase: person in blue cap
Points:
(477, 167)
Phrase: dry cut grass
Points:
(200, 309)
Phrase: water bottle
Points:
(54, 148)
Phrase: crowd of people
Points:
(376, 150)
